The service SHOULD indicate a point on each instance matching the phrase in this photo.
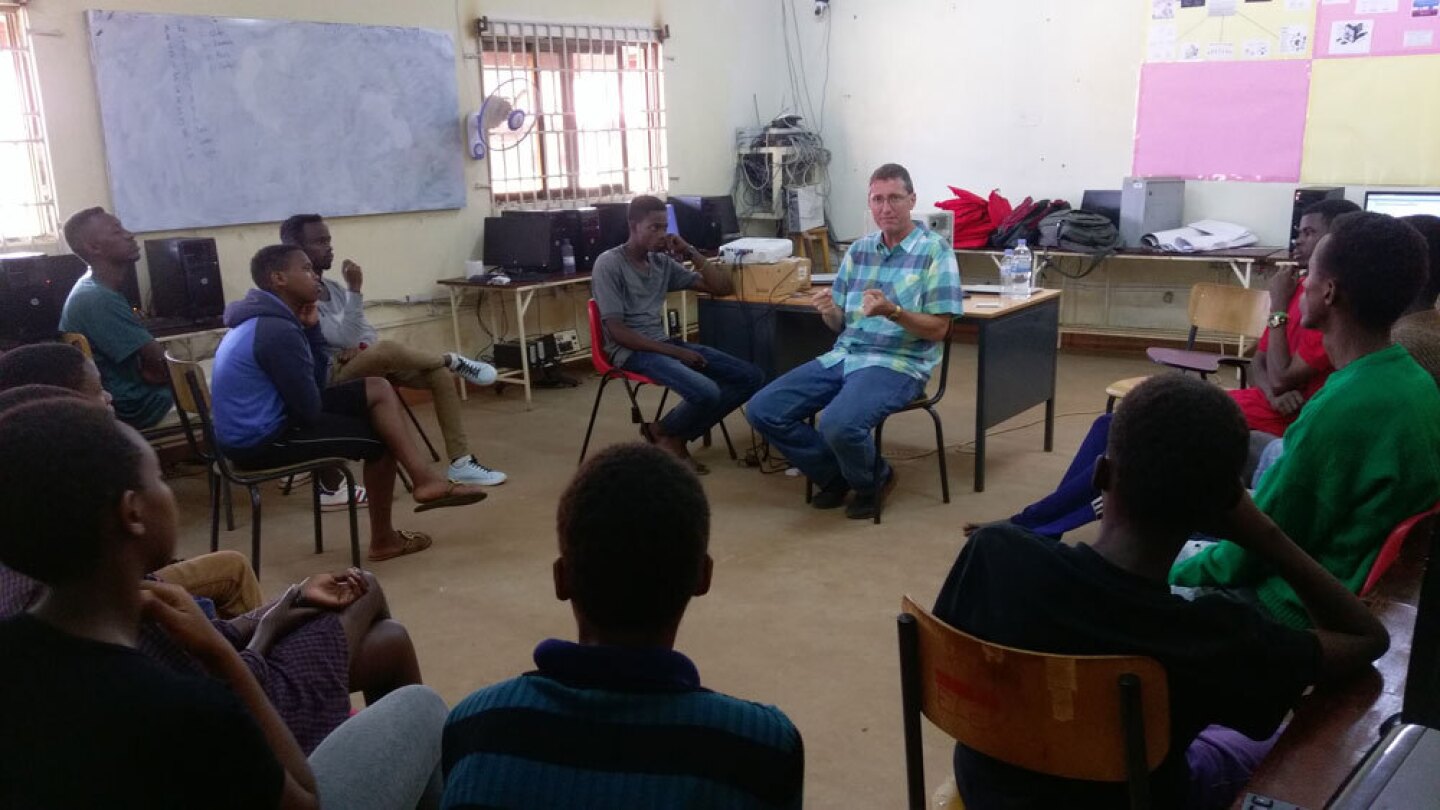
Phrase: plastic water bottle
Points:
(1007, 273)
(567, 258)
(1021, 272)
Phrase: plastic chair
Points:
(1214, 307)
(1108, 720)
(1420, 525)
(192, 401)
(632, 382)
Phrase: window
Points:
(27, 201)
(596, 94)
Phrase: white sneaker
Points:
(336, 501)
(466, 470)
(471, 370)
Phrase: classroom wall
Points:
(709, 92)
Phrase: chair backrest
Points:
(192, 402)
(597, 339)
(944, 366)
(1228, 309)
(1419, 526)
(79, 341)
(1053, 714)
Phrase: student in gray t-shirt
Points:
(630, 283)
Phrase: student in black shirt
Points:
(85, 720)
(1172, 467)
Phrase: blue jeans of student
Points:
(709, 393)
(854, 404)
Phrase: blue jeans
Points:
(709, 393)
(854, 405)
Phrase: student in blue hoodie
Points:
(272, 407)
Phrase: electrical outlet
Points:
(567, 340)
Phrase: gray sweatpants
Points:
(387, 757)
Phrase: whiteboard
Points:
(216, 121)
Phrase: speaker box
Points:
(1306, 197)
(33, 289)
(184, 278)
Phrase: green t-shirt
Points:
(1363, 456)
(116, 336)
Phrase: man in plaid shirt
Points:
(892, 303)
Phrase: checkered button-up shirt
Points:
(921, 275)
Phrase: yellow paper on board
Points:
(1231, 31)
(1374, 121)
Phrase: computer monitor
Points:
(517, 243)
(670, 226)
(1403, 203)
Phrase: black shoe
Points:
(831, 496)
(864, 504)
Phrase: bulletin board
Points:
(1312, 91)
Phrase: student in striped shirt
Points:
(892, 302)
(619, 719)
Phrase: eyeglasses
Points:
(894, 200)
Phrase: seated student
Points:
(1365, 453)
(356, 350)
(1418, 330)
(892, 303)
(272, 407)
(131, 362)
(629, 283)
(620, 719)
(1290, 366)
(1172, 467)
(88, 523)
(224, 577)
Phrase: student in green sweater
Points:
(1365, 452)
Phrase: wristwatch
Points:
(1278, 319)
(894, 317)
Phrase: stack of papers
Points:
(1207, 234)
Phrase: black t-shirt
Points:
(1226, 663)
(86, 724)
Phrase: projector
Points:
(754, 250)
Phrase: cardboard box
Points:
(771, 283)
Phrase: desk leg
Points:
(522, 305)
(981, 374)
(684, 314)
(457, 296)
(1049, 424)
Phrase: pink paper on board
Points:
(1387, 31)
(1222, 120)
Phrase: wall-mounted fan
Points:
(504, 121)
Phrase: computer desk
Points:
(1018, 345)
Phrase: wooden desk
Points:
(1334, 726)
(1017, 351)
(1241, 261)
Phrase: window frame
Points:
(17, 46)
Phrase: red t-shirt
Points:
(1308, 345)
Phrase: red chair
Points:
(1418, 525)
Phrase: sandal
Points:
(410, 543)
(451, 499)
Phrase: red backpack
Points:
(975, 216)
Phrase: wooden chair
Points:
(192, 401)
(925, 403)
(1098, 718)
(168, 433)
(1222, 308)
(814, 245)
(632, 382)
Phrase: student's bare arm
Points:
(152, 364)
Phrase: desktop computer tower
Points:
(582, 227)
(705, 222)
(614, 221)
(560, 227)
(184, 279)
(33, 289)
(1150, 204)
(1306, 197)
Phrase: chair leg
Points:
(315, 507)
(1110, 405)
(404, 479)
(215, 484)
(354, 518)
(729, 444)
(660, 409)
(940, 453)
(229, 506)
(255, 529)
(599, 392)
(879, 466)
(434, 455)
(287, 485)
(910, 702)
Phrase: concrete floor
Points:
(802, 610)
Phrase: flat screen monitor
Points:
(670, 226)
(1403, 203)
(517, 243)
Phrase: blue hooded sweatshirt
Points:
(269, 371)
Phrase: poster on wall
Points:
(1230, 30)
(1197, 121)
(1351, 28)
(1374, 121)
